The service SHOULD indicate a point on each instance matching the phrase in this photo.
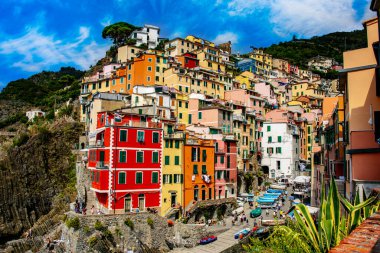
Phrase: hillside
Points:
(45, 88)
(298, 51)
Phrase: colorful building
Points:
(360, 82)
(199, 169)
(125, 162)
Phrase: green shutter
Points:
(204, 170)
(195, 169)
(222, 159)
(279, 150)
(166, 144)
(121, 177)
(140, 156)
(170, 178)
(176, 160)
(204, 155)
(155, 157)
(122, 156)
(268, 128)
(155, 137)
(167, 160)
(123, 135)
(270, 139)
(140, 136)
(175, 178)
(154, 177)
(199, 115)
(279, 138)
(181, 178)
(190, 120)
(138, 177)
(176, 144)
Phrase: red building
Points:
(188, 60)
(126, 162)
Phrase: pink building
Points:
(266, 91)
(210, 112)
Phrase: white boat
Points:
(276, 186)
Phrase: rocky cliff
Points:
(37, 173)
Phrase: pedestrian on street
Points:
(267, 211)
(92, 210)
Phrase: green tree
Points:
(119, 33)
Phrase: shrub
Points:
(99, 226)
(150, 222)
(86, 229)
(73, 223)
(108, 235)
(129, 223)
(21, 140)
(92, 241)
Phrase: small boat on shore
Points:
(255, 213)
(242, 233)
(207, 240)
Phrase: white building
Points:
(34, 113)
(280, 145)
(148, 34)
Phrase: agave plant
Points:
(332, 225)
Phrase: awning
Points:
(93, 134)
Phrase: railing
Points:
(238, 117)
(219, 151)
(176, 135)
(102, 165)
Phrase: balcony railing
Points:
(220, 151)
(102, 165)
(175, 135)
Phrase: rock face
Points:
(33, 174)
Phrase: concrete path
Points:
(225, 241)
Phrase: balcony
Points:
(102, 165)
(238, 118)
(98, 144)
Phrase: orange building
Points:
(360, 81)
(198, 170)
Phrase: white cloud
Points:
(245, 7)
(225, 37)
(304, 18)
(106, 21)
(35, 51)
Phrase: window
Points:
(149, 59)
(179, 103)
(180, 115)
(121, 178)
(140, 136)
(204, 169)
(199, 115)
(107, 83)
(195, 169)
(157, 69)
(176, 160)
(122, 156)
(270, 139)
(139, 177)
(155, 157)
(149, 68)
(278, 150)
(113, 82)
(176, 143)
(268, 128)
(123, 135)
(154, 177)
(121, 79)
(204, 155)
(155, 137)
(222, 159)
(278, 165)
(140, 156)
(186, 104)
(190, 119)
(148, 78)
(279, 138)
(167, 160)
(129, 76)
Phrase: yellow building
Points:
(183, 108)
(264, 62)
(305, 88)
(179, 46)
(194, 81)
(209, 58)
(199, 40)
(172, 172)
(246, 80)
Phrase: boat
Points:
(278, 187)
(242, 232)
(266, 201)
(207, 240)
(270, 196)
(262, 232)
(274, 191)
(255, 213)
(272, 222)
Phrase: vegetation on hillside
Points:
(298, 51)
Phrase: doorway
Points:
(173, 199)
(127, 203)
(141, 202)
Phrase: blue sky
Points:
(38, 35)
